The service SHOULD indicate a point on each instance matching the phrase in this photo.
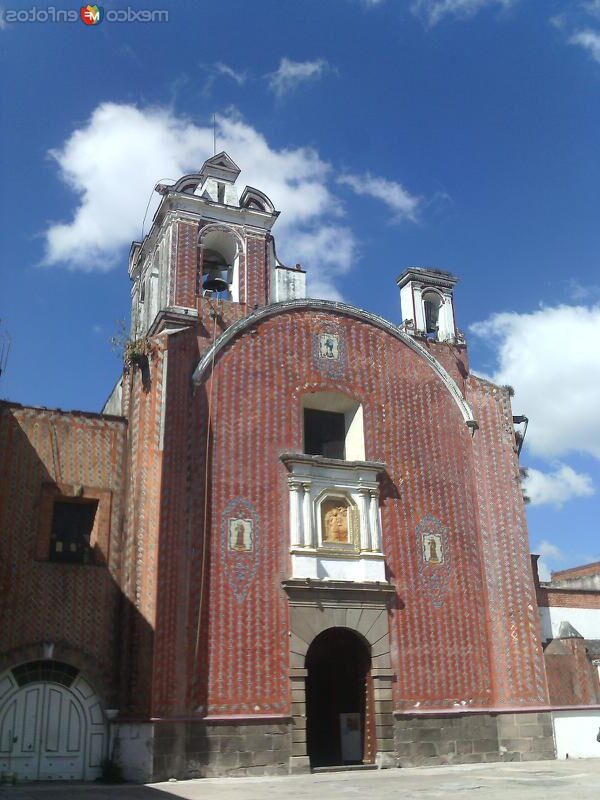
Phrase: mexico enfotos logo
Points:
(89, 15)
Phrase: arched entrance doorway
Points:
(51, 723)
(338, 699)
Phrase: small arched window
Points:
(217, 264)
(431, 307)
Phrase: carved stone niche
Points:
(335, 523)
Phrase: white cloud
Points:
(592, 7)
(398, 199)
(558, 21)
(113, 161)
(547, 552)
(291, 74)
(589, 40)
(229, 72)
(552, 359)
(434, 10)
(214, 71)
(557, 487)
(331, 250)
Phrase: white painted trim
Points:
(369, 567)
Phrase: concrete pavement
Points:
(541, 780)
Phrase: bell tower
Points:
(207, 241)
(427, 303)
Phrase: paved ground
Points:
(541, 780)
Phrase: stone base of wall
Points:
(205, 750)
(472, 738)
(162, 750)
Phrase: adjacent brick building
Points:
(295, 536)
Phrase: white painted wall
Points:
(289, 285)
(319, 567)
(584, 620)
(575, 734)
(115, 399)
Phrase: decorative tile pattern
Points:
(240, 545)
(205, 621)
(433, 558)
(329, 355)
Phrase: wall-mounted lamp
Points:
(473, 426)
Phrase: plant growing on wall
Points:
(138, 351)
(132, 351)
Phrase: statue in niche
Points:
(240, 535)
(432, 549)
(335, 515)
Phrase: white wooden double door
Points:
(45, 735)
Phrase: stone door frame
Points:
(314, 608)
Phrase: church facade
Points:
(295, 537)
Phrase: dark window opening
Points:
(432, 313)
(221, 192)
(72, 524)
(41, 671)
(324, 433)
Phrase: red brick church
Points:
(295, 536)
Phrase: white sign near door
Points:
(351, 737)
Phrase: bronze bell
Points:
(214, 283)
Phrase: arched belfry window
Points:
(431, 305)
(216, 278)
(219, 256)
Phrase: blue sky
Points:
(461, 134)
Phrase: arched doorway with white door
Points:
(339, 699)
(52, 726)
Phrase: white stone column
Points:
(375, 521)
(296, 515)
(309, 535)
(363, 513)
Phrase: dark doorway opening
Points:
(338, 699)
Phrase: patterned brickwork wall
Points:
(180, 527)
(143, 397)
(439, 633)
(512, 612)
(76, 606)
(454, 359)
(572, 678)
(257, 278)
(568, 598)
(183, 282)
(585, 571)
(164, 507)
